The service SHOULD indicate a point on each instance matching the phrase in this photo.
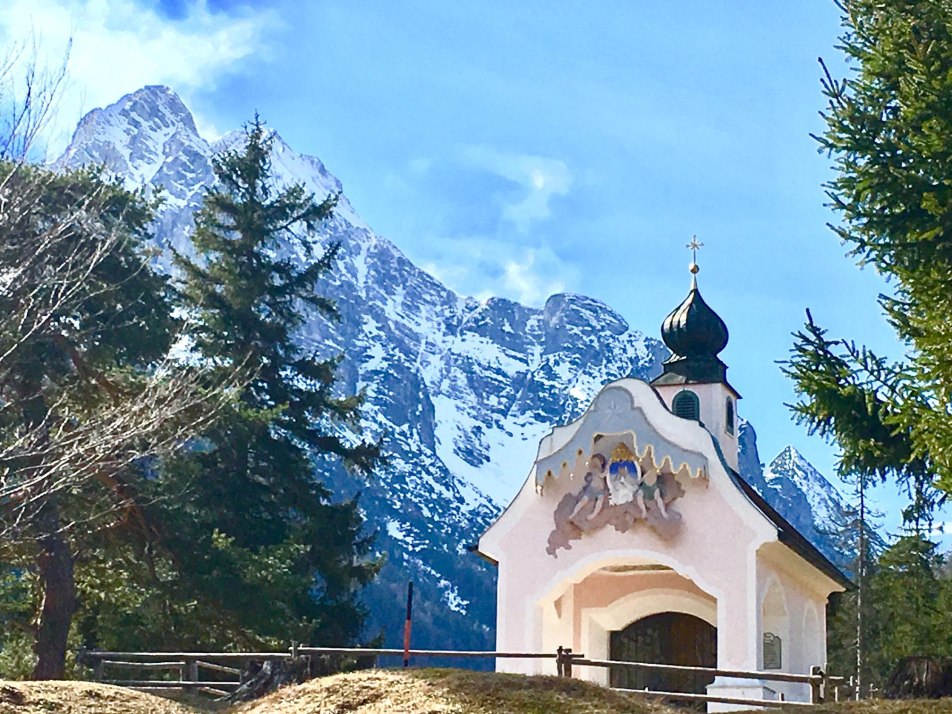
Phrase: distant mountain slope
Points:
(460, 390)
(799, 492)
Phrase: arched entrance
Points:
(665, 638)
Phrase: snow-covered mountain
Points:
(799, 492)
(461, 391)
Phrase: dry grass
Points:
(81, 698)
(422, 691)
(880, 706)
(446, 691)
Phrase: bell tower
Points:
(694, 382)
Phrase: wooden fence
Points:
(186, 670)
(182, 670)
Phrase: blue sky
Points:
(521, 149)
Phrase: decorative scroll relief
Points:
(613, 412)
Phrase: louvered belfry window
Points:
(686, 405)
(729, 417)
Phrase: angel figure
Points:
(650, 488)
(594, 489)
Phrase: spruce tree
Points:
(889, 133)
(908, 586)
(256, 531)
(853, 627)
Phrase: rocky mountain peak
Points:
(461, 390)
(136, 136)
(788, 458)
(790, 463)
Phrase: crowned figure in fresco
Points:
(627, 482)
(624, 475)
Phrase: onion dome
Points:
(695, 334)
(693, 329)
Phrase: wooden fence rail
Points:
(188, 664)
(736, 673)
(185, 668)
(423, 653)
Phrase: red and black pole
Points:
(407, 625)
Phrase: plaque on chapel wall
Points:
(773, 651)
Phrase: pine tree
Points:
(256, 531)
(889, 133)
(909, 589)
(853, 628)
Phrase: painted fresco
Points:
(621, 487)
(626, 474)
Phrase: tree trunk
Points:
(261, 678)
(55, 566)
(860, 644)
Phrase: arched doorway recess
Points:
(665, 638)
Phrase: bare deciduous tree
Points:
(90, 394)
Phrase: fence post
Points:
(98, 670)
(817, 687)
(191, 666)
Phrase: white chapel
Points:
(635, 538)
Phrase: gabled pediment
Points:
(615, 413)
(617, 468)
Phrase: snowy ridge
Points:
(826, 503)
(799, 492)
(460, 391)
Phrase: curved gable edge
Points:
(643, 398)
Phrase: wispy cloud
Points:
(485, 268)
(530, 278)
(540, 177)
(119, 46)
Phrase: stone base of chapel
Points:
(741, 689)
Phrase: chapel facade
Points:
(635, 538)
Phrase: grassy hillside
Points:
(429, 691)
(439, 691)
(80, 698)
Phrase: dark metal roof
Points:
(790, 536)
(695, 334)
(693, 329)
(693, 370)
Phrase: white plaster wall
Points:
(805, 631)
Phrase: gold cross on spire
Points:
(695, 246)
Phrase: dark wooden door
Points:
(665, 638)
